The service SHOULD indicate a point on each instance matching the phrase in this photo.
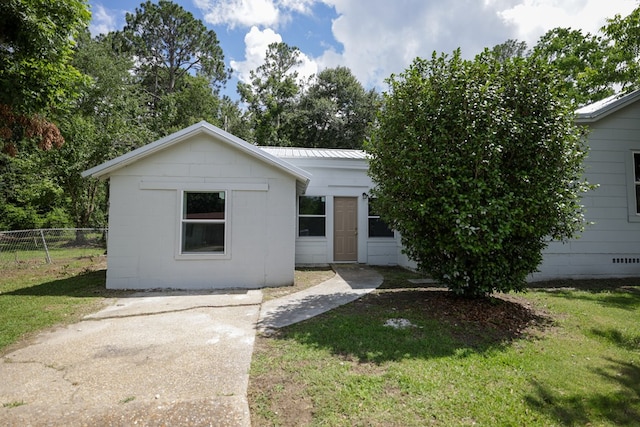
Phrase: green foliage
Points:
(580, 61)
(335, 111)
(622, 66)
(36, 45)
(36, 75)
(29, 196)
(271, 94)
(170, 44)
(477, 164)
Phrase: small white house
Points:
(202, 209)
(610, 247)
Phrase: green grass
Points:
(576, 363)
(35, 296)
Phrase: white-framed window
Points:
(636, 180)
(377, 227)
(312, 216)
(203, 222)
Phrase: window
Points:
(203, 222)
(636, 178)
(311, 216)
(377, 227)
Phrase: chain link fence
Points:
(48, 245)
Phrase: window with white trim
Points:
(377, 227)
(636, 178)
(312, 216)
(203, 222)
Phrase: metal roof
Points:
(315, 153)
(600, 109)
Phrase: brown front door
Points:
(345, 229)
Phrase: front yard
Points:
(553, 356)
(565, 353)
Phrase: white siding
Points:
(144, 220)
(341, 177)
(615, 233)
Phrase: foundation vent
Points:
(626, 260)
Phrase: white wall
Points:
(615, 233)
(342, 178)
(144, 220)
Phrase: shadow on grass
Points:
(615, 293)
(618, 338)
(441, 324)
(619, 408)
(83, 285)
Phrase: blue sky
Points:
(374, 38)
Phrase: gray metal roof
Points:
(604, 107)
(314, 153)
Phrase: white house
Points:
(610, 247)
(203, 209)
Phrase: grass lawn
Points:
(35, 296)
(553, 356)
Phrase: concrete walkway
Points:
(170, 358)
(350, 283)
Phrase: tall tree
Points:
(622, 66)
(510, 49)
(335, 111)
(477, 164)
(107, 120)
(36, 75)
(271, 94)
(169, 44)
(580, 62)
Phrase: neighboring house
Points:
(610, 247)
(203, 209)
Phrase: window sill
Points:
(201, 257)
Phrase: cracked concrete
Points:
(146, 359)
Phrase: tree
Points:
(335, 111)
(510, 49)
(580, 60)
(107, 120)
(271, 94)
(169, 44)
(477, 164)
(36, 75)
(622, 65)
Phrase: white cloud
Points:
(239, 12)
(101, 21)
(247, 13)
(381, 37)
(256, 43)
(533, 18)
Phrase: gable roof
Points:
(107, 168)
(601, 109)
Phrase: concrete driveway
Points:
(150, 359)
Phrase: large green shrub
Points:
(478, 164)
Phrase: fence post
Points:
(46, 249)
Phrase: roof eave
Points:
(103, 170)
